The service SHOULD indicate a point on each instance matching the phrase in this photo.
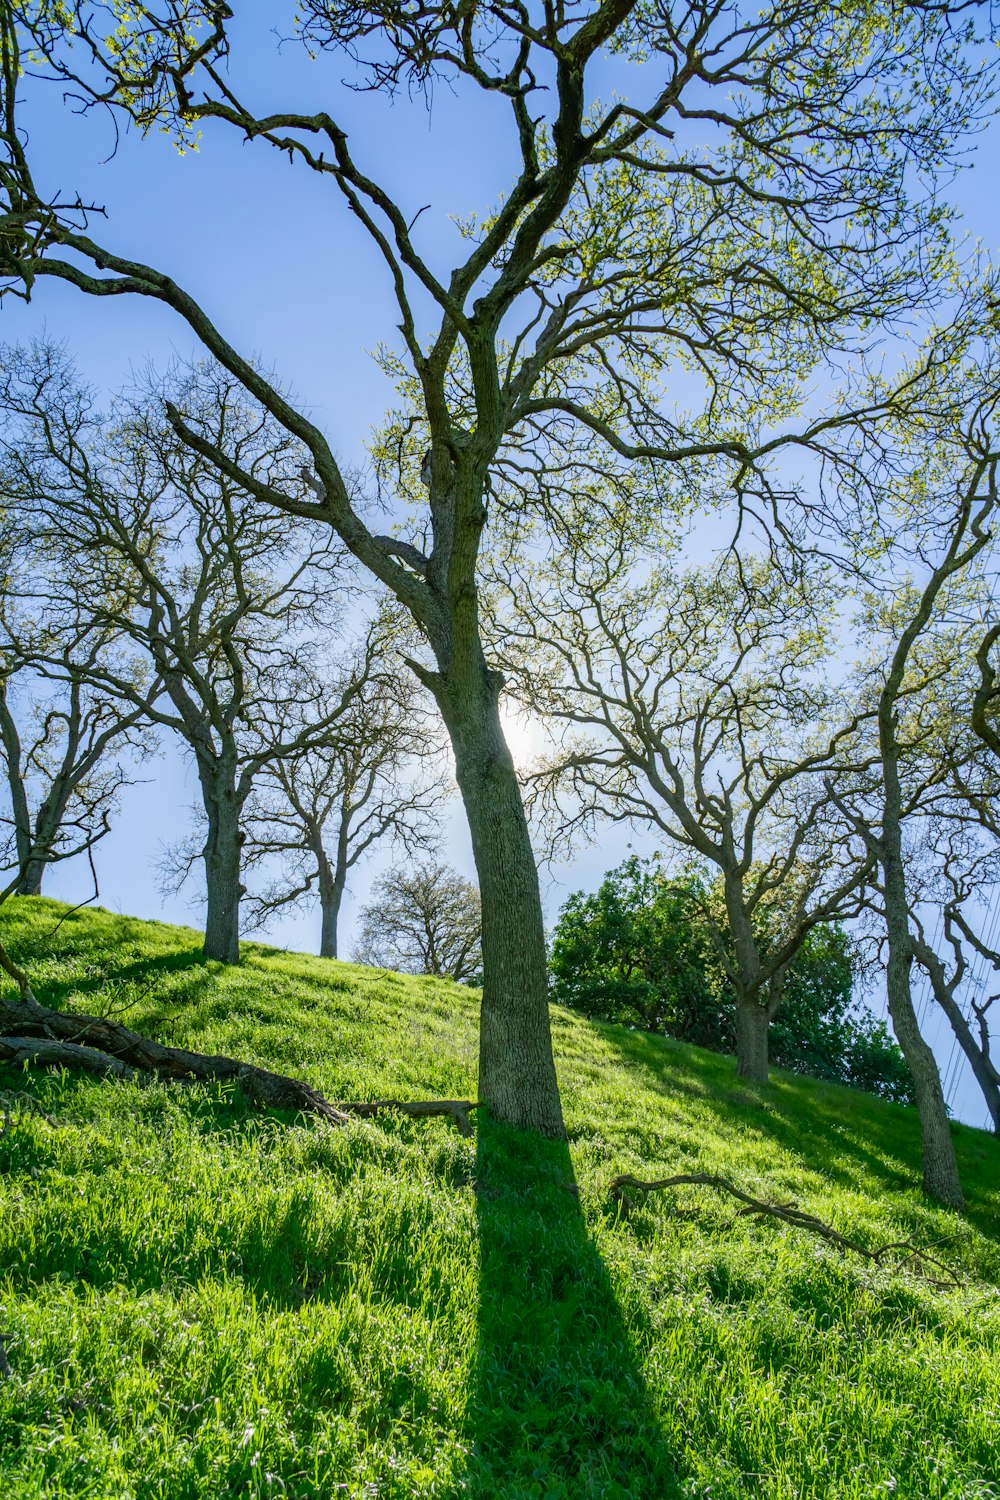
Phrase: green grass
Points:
(200, 1301)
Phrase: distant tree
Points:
(702, 705)
(634, 951)
(321, 809)
(824, 1031)
(423, 921)
(949, 506)
(138, 537)
(640, 951)
(63, 746)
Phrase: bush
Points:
(639, 952)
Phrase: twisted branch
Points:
(916, 1258)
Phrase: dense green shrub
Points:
(639, 951)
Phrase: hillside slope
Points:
(198, 1301)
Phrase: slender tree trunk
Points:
(986, 1075)
(752, 1027)
(223, 853)
(940, 1165)
(517, 1076)
(941, 1178)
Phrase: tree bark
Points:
(941, 1178)
(985, 1073)
(752, 1026)
(223, 854)
(517, 1076)
(30, 882)
(95, 1044)
(48, 822)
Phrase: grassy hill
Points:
(200, 1301)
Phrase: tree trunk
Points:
(941, 1178)
(757, 996)
(30, 881)
(940, 1165)
(985, 1073)
(331, 893)
(752, 1025)
(517, 1076)
(223, 858)
(41, 844)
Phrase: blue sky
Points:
(272, 254)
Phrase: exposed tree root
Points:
(33, 1034)
(903, 1254)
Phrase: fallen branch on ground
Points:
(53, 1054)
(32, 1033)
(916, 1258)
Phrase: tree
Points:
(322, 808)
(953, 982)
(639, 951)
(957, 518)
(423, 921)
(62, 781)
(951, 789)
(141, 538)
(978, 791)
(62, 742)
(822, 1030)
(692, 227)
(634, 952)
(702, 705)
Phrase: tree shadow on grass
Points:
(139, 971)
(560, 1407)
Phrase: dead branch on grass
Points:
(916, 1258)
(34, 1034)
